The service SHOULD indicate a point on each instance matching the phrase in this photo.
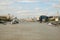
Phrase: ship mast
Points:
(57, 13)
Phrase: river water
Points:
(29, 31)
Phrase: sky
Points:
(29, 8)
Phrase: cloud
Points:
(44, 0)
(15, 8)
(54, 5)
(35, 0)
(37, 8)
(49, 1)
(6, 7)
(26, 1)
(24, 11)
(5, 2)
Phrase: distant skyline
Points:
(25, 8)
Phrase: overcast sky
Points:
(27, 8)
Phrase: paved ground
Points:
(29, 31)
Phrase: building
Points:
(43, 18)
